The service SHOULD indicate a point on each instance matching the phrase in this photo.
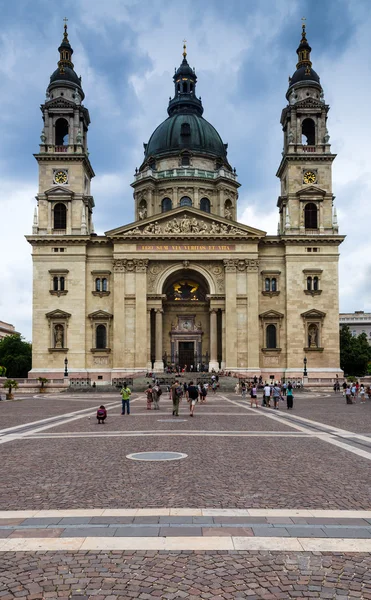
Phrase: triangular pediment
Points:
(60, 103)
(271, 314)
(100, 314)
(58, 190)
(311, 190)
(58, 314)
(185, 221)
(313, 314)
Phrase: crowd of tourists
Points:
(353, 391)
(272, 394)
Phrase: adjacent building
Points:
(185, 283)
(358, 322)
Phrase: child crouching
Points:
(101, 414)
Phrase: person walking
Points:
(125, 395)
(276, 392)
(243, 389)
(266, 395)
(156, 393)
(348, 395)
(176, 393)
(149, 394)
(362, 393)
(254, 395)
(192, 397)
(290, 397)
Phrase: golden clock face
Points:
(310, 177)
(60, 177)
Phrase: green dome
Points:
(185, 131)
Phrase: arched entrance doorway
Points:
(188, 329)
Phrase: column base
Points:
(213, 365)
(158, 366)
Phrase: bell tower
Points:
(64, 203)
(306, 202)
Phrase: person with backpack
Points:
(290, 397)
(203, 394)
(156, 393)
(192, 397)
(176, 394)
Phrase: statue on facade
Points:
(77, 96)
(228, 213)
(58, 336)
(312, 333)
(43, 137)
(326, 137)
(290, 137)
(142, 212)
(185, 225)
(79, 137)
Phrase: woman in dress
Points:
(149, 394)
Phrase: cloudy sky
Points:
(126, 51)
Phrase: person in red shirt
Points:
(101, 414)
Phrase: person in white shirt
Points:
(266, 395)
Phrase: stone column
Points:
(159, 364)
(230, 266)
(149, 363)
(213, 363)
(119, 333)
(253, 338)
(223, 340)
(140, 314)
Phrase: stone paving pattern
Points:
(192, 575)
(222, 472)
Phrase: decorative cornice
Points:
(58, 292)
(271, 294)
(121, 265)
(100, 294)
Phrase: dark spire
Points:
(185, 80)
(304, 51)
(65, 51)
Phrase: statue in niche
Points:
(228, 213)
(58, 336)
(326, 138)
(142, 212)
(290, 137)
(312, 334)
(79, 137)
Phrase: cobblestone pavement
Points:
(236, 457)
(191, 575)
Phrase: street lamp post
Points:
(66, 367)
(305, 374)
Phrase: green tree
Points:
(355, 352)
(15, 356)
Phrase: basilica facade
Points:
(185, 283)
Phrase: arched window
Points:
(55, 284)
(61, 284)
(308, 132)
(271, 336)
(166, 205)
(205, 204)
(61, 132)
(310, 216)
(101, 336)
(267, 284)
(315, 283)
(273, 284)
(185, 201)
(309, 283)
(60, 216)
(185, 87)
(97, 285)
(104, 284)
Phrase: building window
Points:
(101, 337)
(166, 204)
(60, 216)
(185, 201)
(100, 283)
(185, 160)
(270, 282)
(312, 281)
(185, 129)
(310, 216)
(205, 205)
(271, 336)
(58, 283)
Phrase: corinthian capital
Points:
(230, 265)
